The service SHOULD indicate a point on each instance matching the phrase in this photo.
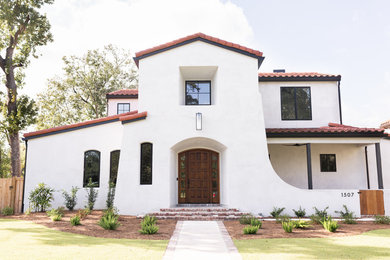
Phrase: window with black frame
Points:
(123, 108)
(114, 163)
(295, 103)
(328, 162)
(198, 93)
(91, 168)
(146, 163)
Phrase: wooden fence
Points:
(371, 202)
(11, 192)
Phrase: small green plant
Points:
(7, 211)
(300, 213)
(56, 217)
(54, 212)
(41, 197)
(75, 221)
(330, 224)
(283, 218)
(382, 220)
(110, 195)
(109, 221)
(92, 194)
(319, 216)
(256, 222)
(148, 225)
(28, 211)
(276, 212)
(70, 199)
(288, 226)
(301, 224)
(250, 230)
(348, 216)
(83, 213)
(245, 219)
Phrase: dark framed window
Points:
(295, 103)
(123, 108)
(146, 163)
(91, 167)
(198, 93)
(114, 163)
(328, 162)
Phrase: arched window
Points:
(91, 167)
(146, 163)
(114, 163)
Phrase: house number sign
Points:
(347, 194)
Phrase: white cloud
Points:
(80, 25)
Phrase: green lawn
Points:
(26, 240)
(371, 245)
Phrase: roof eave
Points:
(276, 79)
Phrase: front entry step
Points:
(199, 213)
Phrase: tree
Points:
(81, 93)
(22, 30)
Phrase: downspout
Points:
(25, 174)
(367, 171)
(338, 89)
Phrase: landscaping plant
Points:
(248, 230)
(276, 212)
(75, 221)
(41, 197)
(56, 214)
(347, 215)
(56, 217)
(300, 213)
(7, 211)
(256, 223)
(245, 219)
(110, 195)
(83, 213)
(92, 194)
(109, 220)
(382, 220)
(330, 224)
(319, 216)
(283, 218)
(301, 224)
(148, 225)
(288, 226)
(70, 199)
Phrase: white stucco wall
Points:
(112, 104)
(58, 161)
(324, 102)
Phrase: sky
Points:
(350, 38)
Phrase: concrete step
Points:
(199, 213)
(197, 209)
(199, 217)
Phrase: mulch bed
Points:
(271, 229)
(129, 227)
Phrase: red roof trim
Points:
(275, 76)
(121, 92)
(132, 117)
(75, 126)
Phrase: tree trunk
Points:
(15, 154)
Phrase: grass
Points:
(39, 242)
(370, 245)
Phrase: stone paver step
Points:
(221, 209)
(178, 217)
(201, 213)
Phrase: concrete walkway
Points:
(201, 240)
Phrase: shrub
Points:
(70, 199)
(148, 225)
(91, 194)
(330, 224)
(283, 218)
(288, 226)
(382, 220)
(347, 216)
(302, 224)
(41, 197)
(28, 211)
(109, 221)
(75, 221)
(250, 230)
(7, 211)
(315, 219)
(245, 219)
(58, 211)
(321, 213)
(300, 213)
(276, 212)
(110, 195)
(83, 213)
(256, 222)
(56, 217)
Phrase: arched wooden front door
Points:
(198, 176)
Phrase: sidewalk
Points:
(201, 240)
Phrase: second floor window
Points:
(123, 108)
(198, 93)
(295, 103)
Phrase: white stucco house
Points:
(205, 127)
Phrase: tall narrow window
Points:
(295, 103)
(328, 162)
(123, 108)
(198, 93)
(146, 163)
(91, 167)
(114, 163)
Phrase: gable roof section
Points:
(199, 37)
(297, 76)
(332, 130)
(123, 93)
(125, 117)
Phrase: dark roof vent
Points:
(280, 71)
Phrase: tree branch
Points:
(21, 30)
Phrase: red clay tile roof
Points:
(386, 125)
(123, 93)
(275, 76)
(65, 128)
(197, 36)
(332, 129)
